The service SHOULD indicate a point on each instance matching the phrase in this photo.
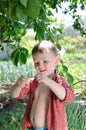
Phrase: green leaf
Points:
(19, 55)
(13, 2)
(24, 51)
(61, 61)
(16, 59)
(24, 2)
(64, 68)
(21, 13)
(51, 35)
(3, 6)
(15, 56)
(23, 55)
(33, 8)
(70, 78)
(23, 58)
(58, 46)
(15, 26)
(11, 12)
(1, 47)
(59, 30)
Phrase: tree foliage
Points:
(18, 15)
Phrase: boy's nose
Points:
(41, 66)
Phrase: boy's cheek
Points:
(37, 70)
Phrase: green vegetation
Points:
(75, 58)
(10, 121)
(9, 72)
(17, 16)
(76, 116)
(10, 118)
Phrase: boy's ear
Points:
(57, 59)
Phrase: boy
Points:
(48, 91)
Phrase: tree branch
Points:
(79, 82)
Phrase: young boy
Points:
(49, 92)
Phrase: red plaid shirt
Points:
(56, 118)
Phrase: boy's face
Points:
(45, 62)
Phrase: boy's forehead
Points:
(44, 54)
(46, 50)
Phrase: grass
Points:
(10, 118)
(11, 121)
(76, 117)
(12, 113)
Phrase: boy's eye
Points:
(37, 63)
(45, 61)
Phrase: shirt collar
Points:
(55, 74)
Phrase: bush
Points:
(71, 44)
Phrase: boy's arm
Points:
(20, 88)
(18, 92)
(59, 87)
(69, 92)
(62, 90)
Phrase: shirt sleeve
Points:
(69, 91)
(25, 90)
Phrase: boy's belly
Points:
(39, 111)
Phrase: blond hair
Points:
(45, 46)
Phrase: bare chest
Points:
(40, 106)
(42, 93)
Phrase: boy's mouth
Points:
(42, 71)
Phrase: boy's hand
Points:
(22, 81)
(41, 78)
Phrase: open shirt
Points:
(56, 117)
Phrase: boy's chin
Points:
(50, 75)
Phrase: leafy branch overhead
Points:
(19, 55)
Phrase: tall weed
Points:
(76, 116)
